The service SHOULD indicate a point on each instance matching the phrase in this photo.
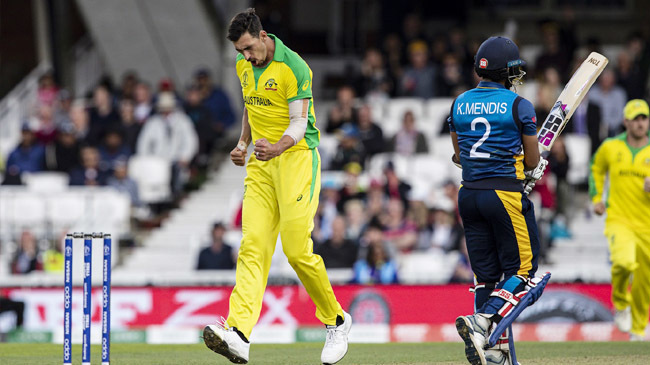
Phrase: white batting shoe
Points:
(496, 357)
(623, 319)
(336, 343)
(473, 330)
(226, 342)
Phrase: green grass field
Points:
(573, 353)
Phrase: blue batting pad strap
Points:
(512, 283)
(530, 297)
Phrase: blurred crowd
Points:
(91, 138)
(367, 223)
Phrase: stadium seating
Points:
(579, 150)
(153, 176)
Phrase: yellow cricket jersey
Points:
(627, 202)
(268, 90)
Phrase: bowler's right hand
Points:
(238, 154)
(599, 208)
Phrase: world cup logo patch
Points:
(482, 63)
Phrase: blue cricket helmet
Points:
(497, 53)
(498, 59)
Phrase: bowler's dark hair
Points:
(246, 21)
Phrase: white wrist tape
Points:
(297, 120)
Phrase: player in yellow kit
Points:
(626, 159)
(281, 189)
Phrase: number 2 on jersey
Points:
(473, 152)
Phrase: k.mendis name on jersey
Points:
(481, 108)
(256, 100)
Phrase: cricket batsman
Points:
(493, 132)
(626, 160)
(281, 189)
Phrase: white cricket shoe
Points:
(634, 337)
(226, 342)
(623, 319)
(336, 343)
(473, 330)
(499, 357)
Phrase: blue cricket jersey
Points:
(489, 121)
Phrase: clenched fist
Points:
(238, 154)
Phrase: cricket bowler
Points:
(281, 189)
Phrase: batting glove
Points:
(532, 176)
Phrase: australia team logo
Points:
(270, 84)
(244, 80)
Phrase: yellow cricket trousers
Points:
(630, 256)
(280, 195)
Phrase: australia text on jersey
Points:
(256, 100)
(481, 108)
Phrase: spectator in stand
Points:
(452, 77)
(395, 60)
(350, 149)
(375, 199)
(27, 258)
(376, 265)
(399, 231)
(548, 89)
(113, 148)
(408, 140)
(127, 88)
(121, 182)
(327, 210)
(62, 107)
(216, 100)
(343, 112)
(370, 134)
(412, 30)
(219, 255)
(394, 188)
(130, 125)
(53, 257)
(28, 156)
(101, 116)
(634, 76)
(47, 89)
(375, 83)
(443, 233)
(420, 77)
(143, 102)
(463, 271)
(79, 119)
(170, 134)
(63, 154)
(45, 127)
(90, 173)
(558, 45)
(459, 46)
(338, 251)
(208, 131)
(355, 219)
(611, 99)
(558, 164)
(351, 188)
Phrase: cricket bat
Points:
(569, 100)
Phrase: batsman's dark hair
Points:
(246, 21)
